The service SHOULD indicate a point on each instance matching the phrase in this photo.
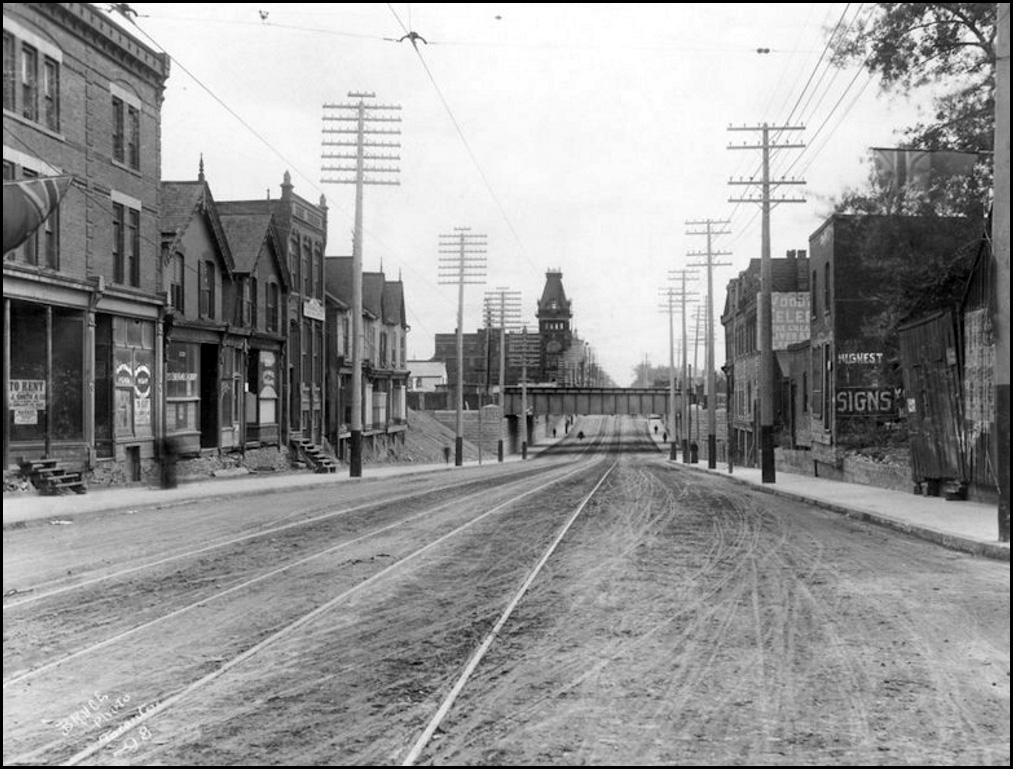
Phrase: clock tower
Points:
(554, 332)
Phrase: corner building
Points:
(83, 301)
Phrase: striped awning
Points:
(27, 204)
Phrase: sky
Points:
(577, 137)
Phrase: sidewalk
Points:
(967, 526)
(22, 510)
(971, 527)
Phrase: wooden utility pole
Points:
(502, 310)
(712, 228)
(669, 295)
(764, 311)
(524, 396)
(683, 296)
(462, 261)
(1000, 250)
(359, 119)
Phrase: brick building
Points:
(863, 279)
(790, 296)
(83, 299)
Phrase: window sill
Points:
(8, 115)
(126, 167)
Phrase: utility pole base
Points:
(499, 450)
(1002, 466)
(458, 451)
(524, 450)
(685, 451)
(355, 454)
(767, 473)
(672, 453)
(712, 452)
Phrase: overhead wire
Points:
(374, 237)
(467, 145)
(826, 64)
(740, 232)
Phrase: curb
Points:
(311, 480)
(992, 550)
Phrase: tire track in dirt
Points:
(772, 659)
(242, 623)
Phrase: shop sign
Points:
(142, 381)
(28, 393)
(314, 309)
(268, 376)
(124, 375)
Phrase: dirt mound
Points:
(426, 439)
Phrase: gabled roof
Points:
(184, 201)
(338, 278)
(393, 303)
(553, 293)
(372, 293)
(248, 234)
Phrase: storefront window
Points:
(182, 388)
(33, 408)
(267, 388)
(29, 399)
(133, 367)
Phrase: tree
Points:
(911, 45)
(948, 47)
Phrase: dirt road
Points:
(680, 620)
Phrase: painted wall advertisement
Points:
(868, 401)
(789, 318)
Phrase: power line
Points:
(467, 145)
(798, 101)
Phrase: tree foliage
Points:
(949, 46)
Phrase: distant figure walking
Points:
(655, 429)
(664, 438)
(580, 435)
(553, 432)
(446, 454)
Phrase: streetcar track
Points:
(696, 632)
(313, 615)
(204, 601)
(238, 540)
(480, 652)
(741, 601)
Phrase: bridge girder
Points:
(590, 400)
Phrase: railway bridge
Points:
(549, 400)
(589, 400)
